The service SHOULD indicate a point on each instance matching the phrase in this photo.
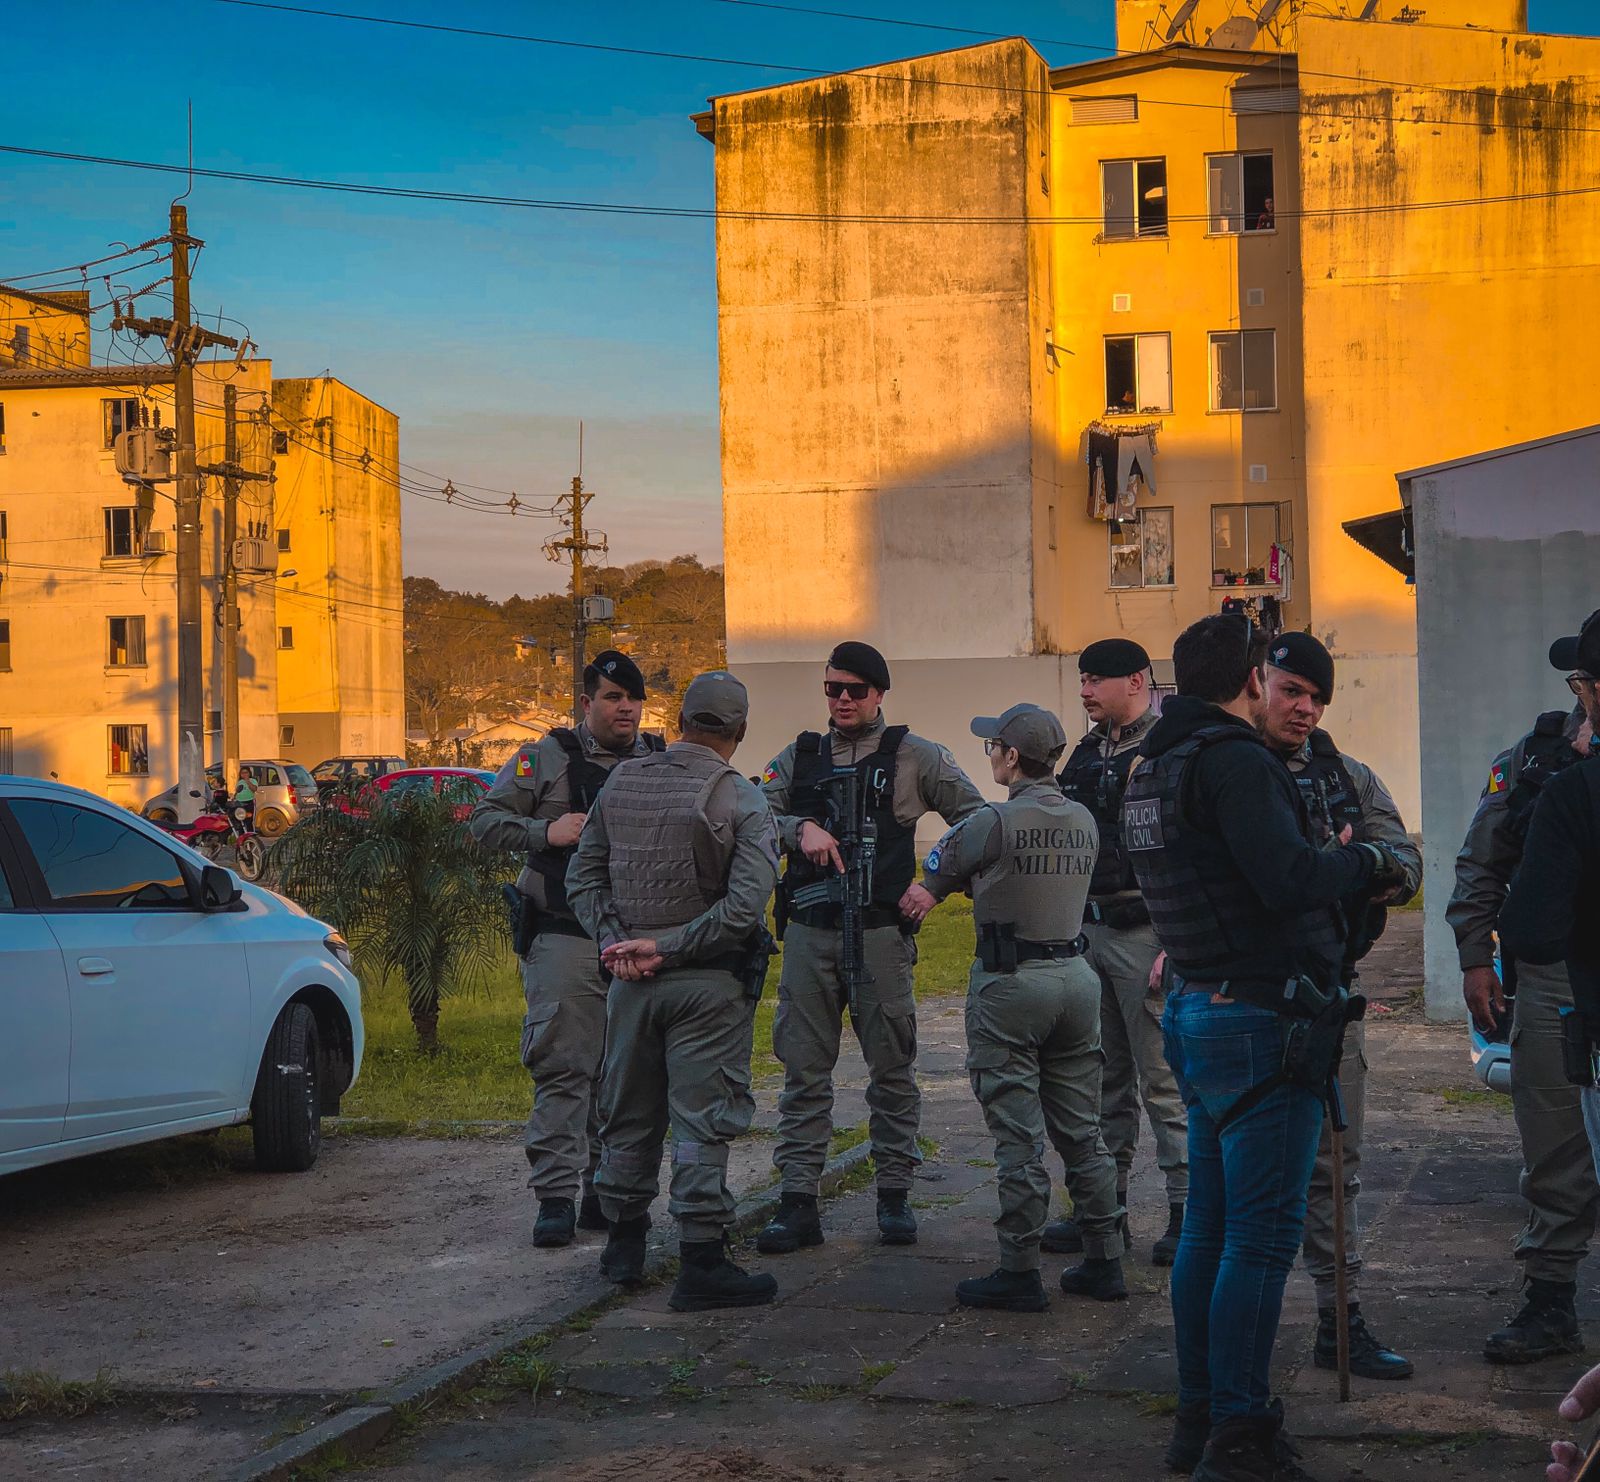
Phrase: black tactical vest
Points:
(585, 778)
(1329, 794)
(896, 865)
(1098, 783)
(1545, 751)
(1208, 918)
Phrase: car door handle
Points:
(95, 967)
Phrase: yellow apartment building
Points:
(1241, 273)
(88, 661)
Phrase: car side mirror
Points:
(218, 891)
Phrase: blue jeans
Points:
(1247, 1200)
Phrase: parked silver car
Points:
(284, 791)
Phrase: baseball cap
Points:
(1582, 650)
(717, 702)
(1302, 655)
(1035, 732)
(619, 669)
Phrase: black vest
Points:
(585, 778)
(896, 865)
(1332, 805)
(1208, 918)
(1545, 751)
(1098, 782)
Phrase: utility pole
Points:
(230, 589)
(577, 545)
(184, 341)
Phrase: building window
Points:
(286, 736)
(1239, 193)
(1244, 370)
(280, 442)
(5, 647)
(2, 427)
(7, 765)
(1050, 524)
(1141, 550)
(1243, 537)
(1135, 197)
(283, 540)
(130, 751)
(121, 532)
(19, 345)
(119, 414)
(125, 647)
(1139, 373)
(2, 535)
(285, 637)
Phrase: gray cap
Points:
(716, 702)
(1036, 733)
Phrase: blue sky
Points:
(490, 331)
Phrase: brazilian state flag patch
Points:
(524, 764)
(770, 775)
(1497, 777)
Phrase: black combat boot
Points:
(1101, 1280)
(622, 1260)
(897, 1225)
(1243, 1449)
(1546, 1326)
(1165, 1251)
(590, 1214)
(1004, 1291)
(1062, 1237)
(794, 1225)
(557, 1218)
(707, 1279)
(1368, 1358)
(1190, 1428)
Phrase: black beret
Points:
(1113, 658)
(619, 669)
(862, 659)
(1300, 653)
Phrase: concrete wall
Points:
(877, 375)
(44, 331)
(1508, 558)
(1432, 333)
(342, 685)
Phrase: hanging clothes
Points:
(1136, 455)
(1102, 469)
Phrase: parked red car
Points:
(467, 783)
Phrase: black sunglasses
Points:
(836, 689)
(1575, 682)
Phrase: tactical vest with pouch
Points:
(1098, 781)
(1034, 893)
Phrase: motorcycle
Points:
(206, 834)
(223, 825)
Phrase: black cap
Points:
(1581, 651)
(1113, 658)
(1300, 653)
(862, 659)
(619, 669)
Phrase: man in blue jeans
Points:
(1244, 905)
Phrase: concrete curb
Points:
(359, 1428)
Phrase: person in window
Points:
(1267, 221)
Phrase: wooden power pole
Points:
(577, 545)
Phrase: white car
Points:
(145, 992)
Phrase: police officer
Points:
(1558, 1179)
(1247, 909)
(1115, 686)
(902, 777)
(1340, 793)
(537, 805)
(1033, 1010)
(672, 876)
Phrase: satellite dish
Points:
(1369, 10)
(1267, 11)
(1238, 33)
(1181, 19)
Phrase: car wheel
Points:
(270, 823)
(286, 1109)
(250, 857)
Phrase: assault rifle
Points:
(850, 821)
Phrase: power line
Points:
(714, 213)
(810, 72)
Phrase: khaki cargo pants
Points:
(678, 1056)
(563, 1046)
(1033, 1053)
(805, 1037)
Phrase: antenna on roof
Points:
(1267, 11)
(1181, 19)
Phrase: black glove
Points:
(1388, 872)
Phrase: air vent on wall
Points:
(1258, 473)
(1104, 110)
(1255, 298)
(1122, 303)
(1266, 99)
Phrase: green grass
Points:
(1473, 1096)
(42, 1396)
(477, 1075)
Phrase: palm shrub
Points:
(410, 889)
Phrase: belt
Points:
(1052, 951)
(557, 926)
(830, 918)
(1117, 912)
(1261, 993)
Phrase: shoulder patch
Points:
(525, 762)
(771, 773)
(1497, 778)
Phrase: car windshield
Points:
(299, 776)
(326, 772)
